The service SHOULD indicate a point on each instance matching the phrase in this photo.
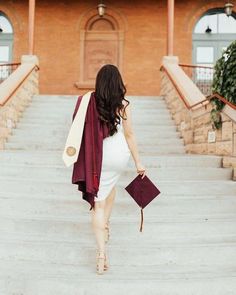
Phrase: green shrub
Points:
(224, 82)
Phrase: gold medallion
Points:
(70, 151)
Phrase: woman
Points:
(108, 106)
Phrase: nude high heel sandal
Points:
(102, 262)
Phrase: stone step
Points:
(55, 146)
(46, 120)
(68, 109)
(145, 98)
(175, 173)
(55, 105)
(85, 237)
(153, 121)
(152, 130)
(144, 140)
(67, 252)
(47, 158)
(57, 122)
(125, 206)
(61, 134)
(63, 129)
(139, 131)
(168, 187)
(143, 109)
(19, 136)
(195, 231)
(53, 97)
(72, 99)
(57, 108)
(188, 173)
(163, 119)
(156, 271)
(14, 145)
(58, 105)
(61, 98)
(66, 121)
(161, 150)
(49, 279)
(121, 196)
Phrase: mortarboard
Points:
(143, 191)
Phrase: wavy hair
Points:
(109, 93)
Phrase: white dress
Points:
(116, 155)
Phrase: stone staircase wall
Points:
(15, 95)
(196, 128)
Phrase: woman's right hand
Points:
(141, 170)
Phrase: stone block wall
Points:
(13, 109)
(196, 127)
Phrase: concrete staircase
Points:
(188, 246)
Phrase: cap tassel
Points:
(141, 225)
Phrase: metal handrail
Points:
(10, 64)
(195, 66)
(217, 95)
(202, 102)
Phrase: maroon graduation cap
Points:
(143, 191)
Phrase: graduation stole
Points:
(73, 142)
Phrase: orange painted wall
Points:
(57, 39)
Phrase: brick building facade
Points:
(72, 41)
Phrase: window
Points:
(6, 37)
(213, 33)
(5, 25)
(218, 23)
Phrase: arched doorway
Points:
(6, 37)
(213, 32)
(101, 43)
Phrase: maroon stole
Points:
(87, 169)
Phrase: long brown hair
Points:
(109, 93)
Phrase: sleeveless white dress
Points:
(116, 155)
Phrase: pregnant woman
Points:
(108, 136)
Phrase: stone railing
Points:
(16, 93)
(191, 113)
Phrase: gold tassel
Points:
(141, 225)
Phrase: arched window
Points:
(6, 37)
(213, 32)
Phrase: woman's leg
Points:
(98, 224)
(109, 205)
